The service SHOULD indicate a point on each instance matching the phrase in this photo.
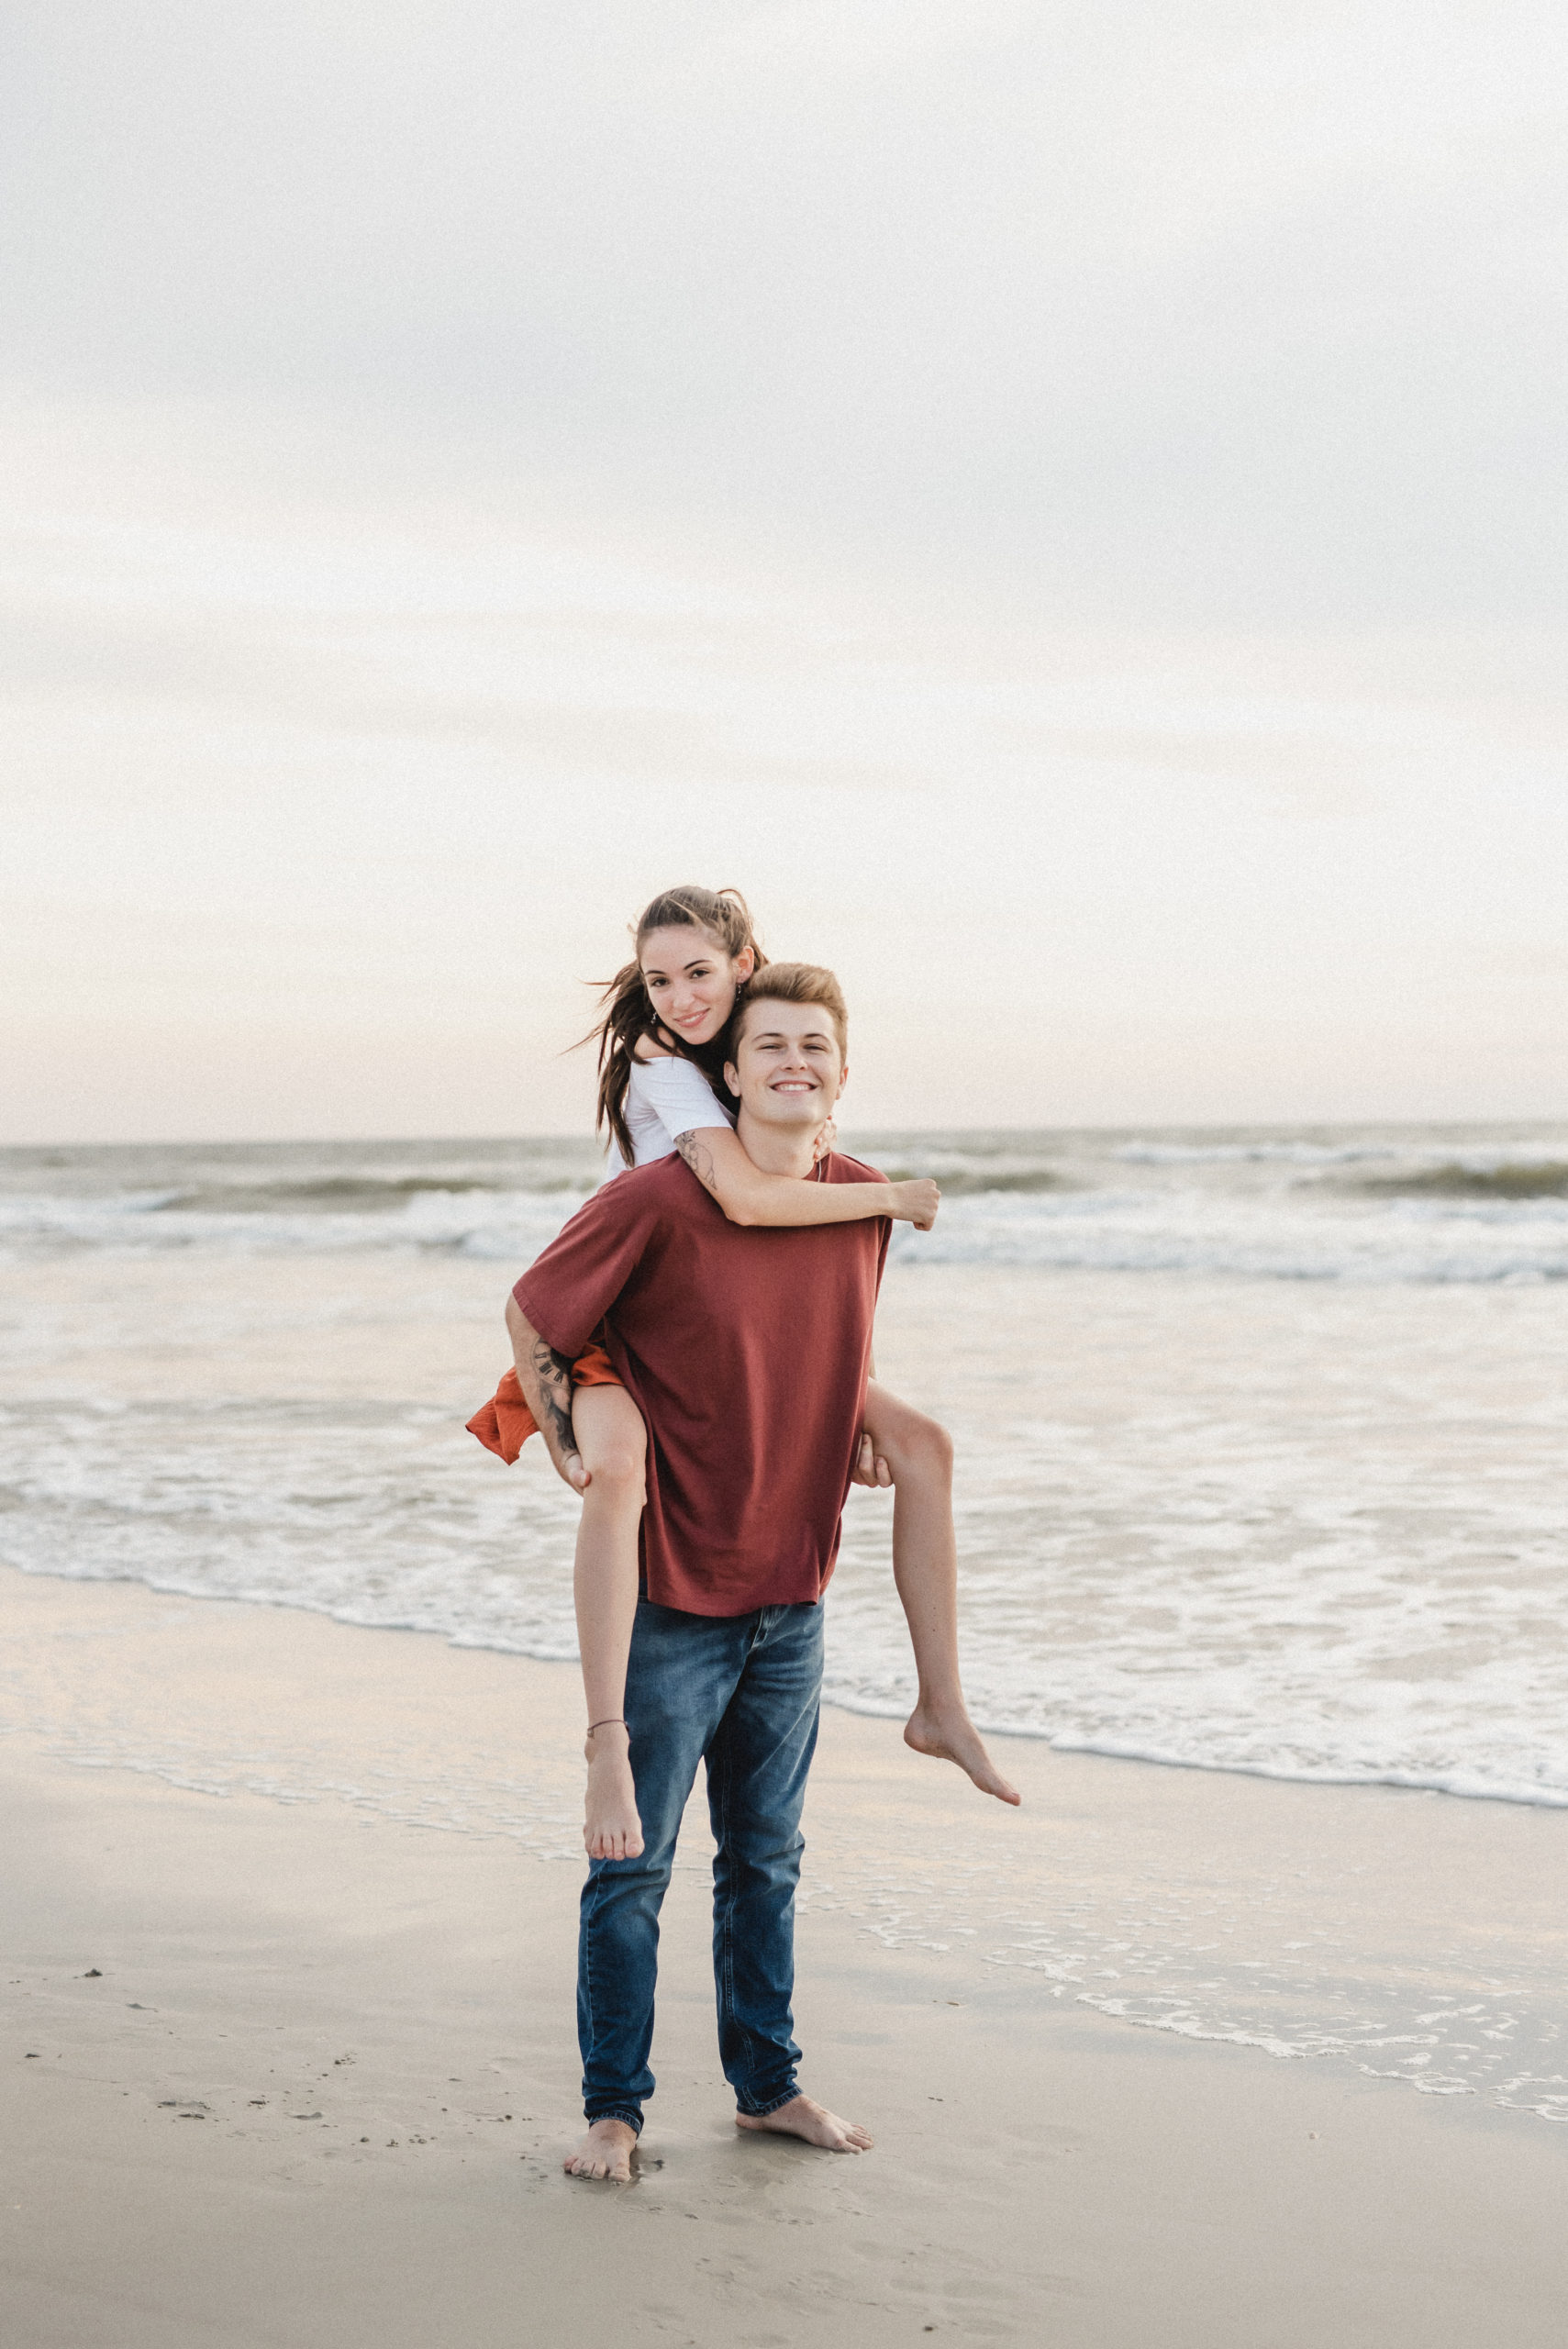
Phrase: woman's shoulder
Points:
(668, 1073)
(646, 1050)
(666, 1097)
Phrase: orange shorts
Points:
(505, 1423)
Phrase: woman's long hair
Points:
(626, 1016)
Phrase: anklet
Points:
(611, 1721)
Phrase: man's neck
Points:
(777, 1150)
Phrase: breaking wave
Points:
(1374, 1206)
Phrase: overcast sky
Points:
(1064, 506)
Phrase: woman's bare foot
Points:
(605, 2152)
(612, 1830)
(803, 2117)
(947, 1734)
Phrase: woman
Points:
(660, 1089)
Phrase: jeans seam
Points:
(631, 2114)
(727, 1930)
(587, 1935)
(588, 1961)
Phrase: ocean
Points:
(1259, 1433)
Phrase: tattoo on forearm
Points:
(699, 1158)
(553, 1373)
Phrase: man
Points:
(747, 1351)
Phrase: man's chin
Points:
(794, 1116)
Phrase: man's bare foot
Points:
(803, 2117)
(605, 2152)
(947, 1734)
(612, 1830)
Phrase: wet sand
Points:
(289, 2071)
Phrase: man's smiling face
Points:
(788, 1069)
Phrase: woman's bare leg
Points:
(925, 1567)
(614, 1445)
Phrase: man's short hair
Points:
(793, 983)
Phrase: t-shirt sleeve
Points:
(679, 1096)
(567, 1292)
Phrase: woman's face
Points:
(691, 981)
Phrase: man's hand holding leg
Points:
(870, 1467)
(545, 1378)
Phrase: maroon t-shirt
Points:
(746, 1351)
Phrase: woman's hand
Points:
(827, 1141)
(914, 1202)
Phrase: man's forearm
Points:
(720, 1162)
(545, 1377)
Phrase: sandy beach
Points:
(520, 524)
(297, 2067)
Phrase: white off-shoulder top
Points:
(663, 1098)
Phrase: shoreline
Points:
(1388, 1932)
(1398, 1782)
(1269, 1530)
(320, 2082)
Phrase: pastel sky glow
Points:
(1064, 507)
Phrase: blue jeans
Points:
(742, 1693)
